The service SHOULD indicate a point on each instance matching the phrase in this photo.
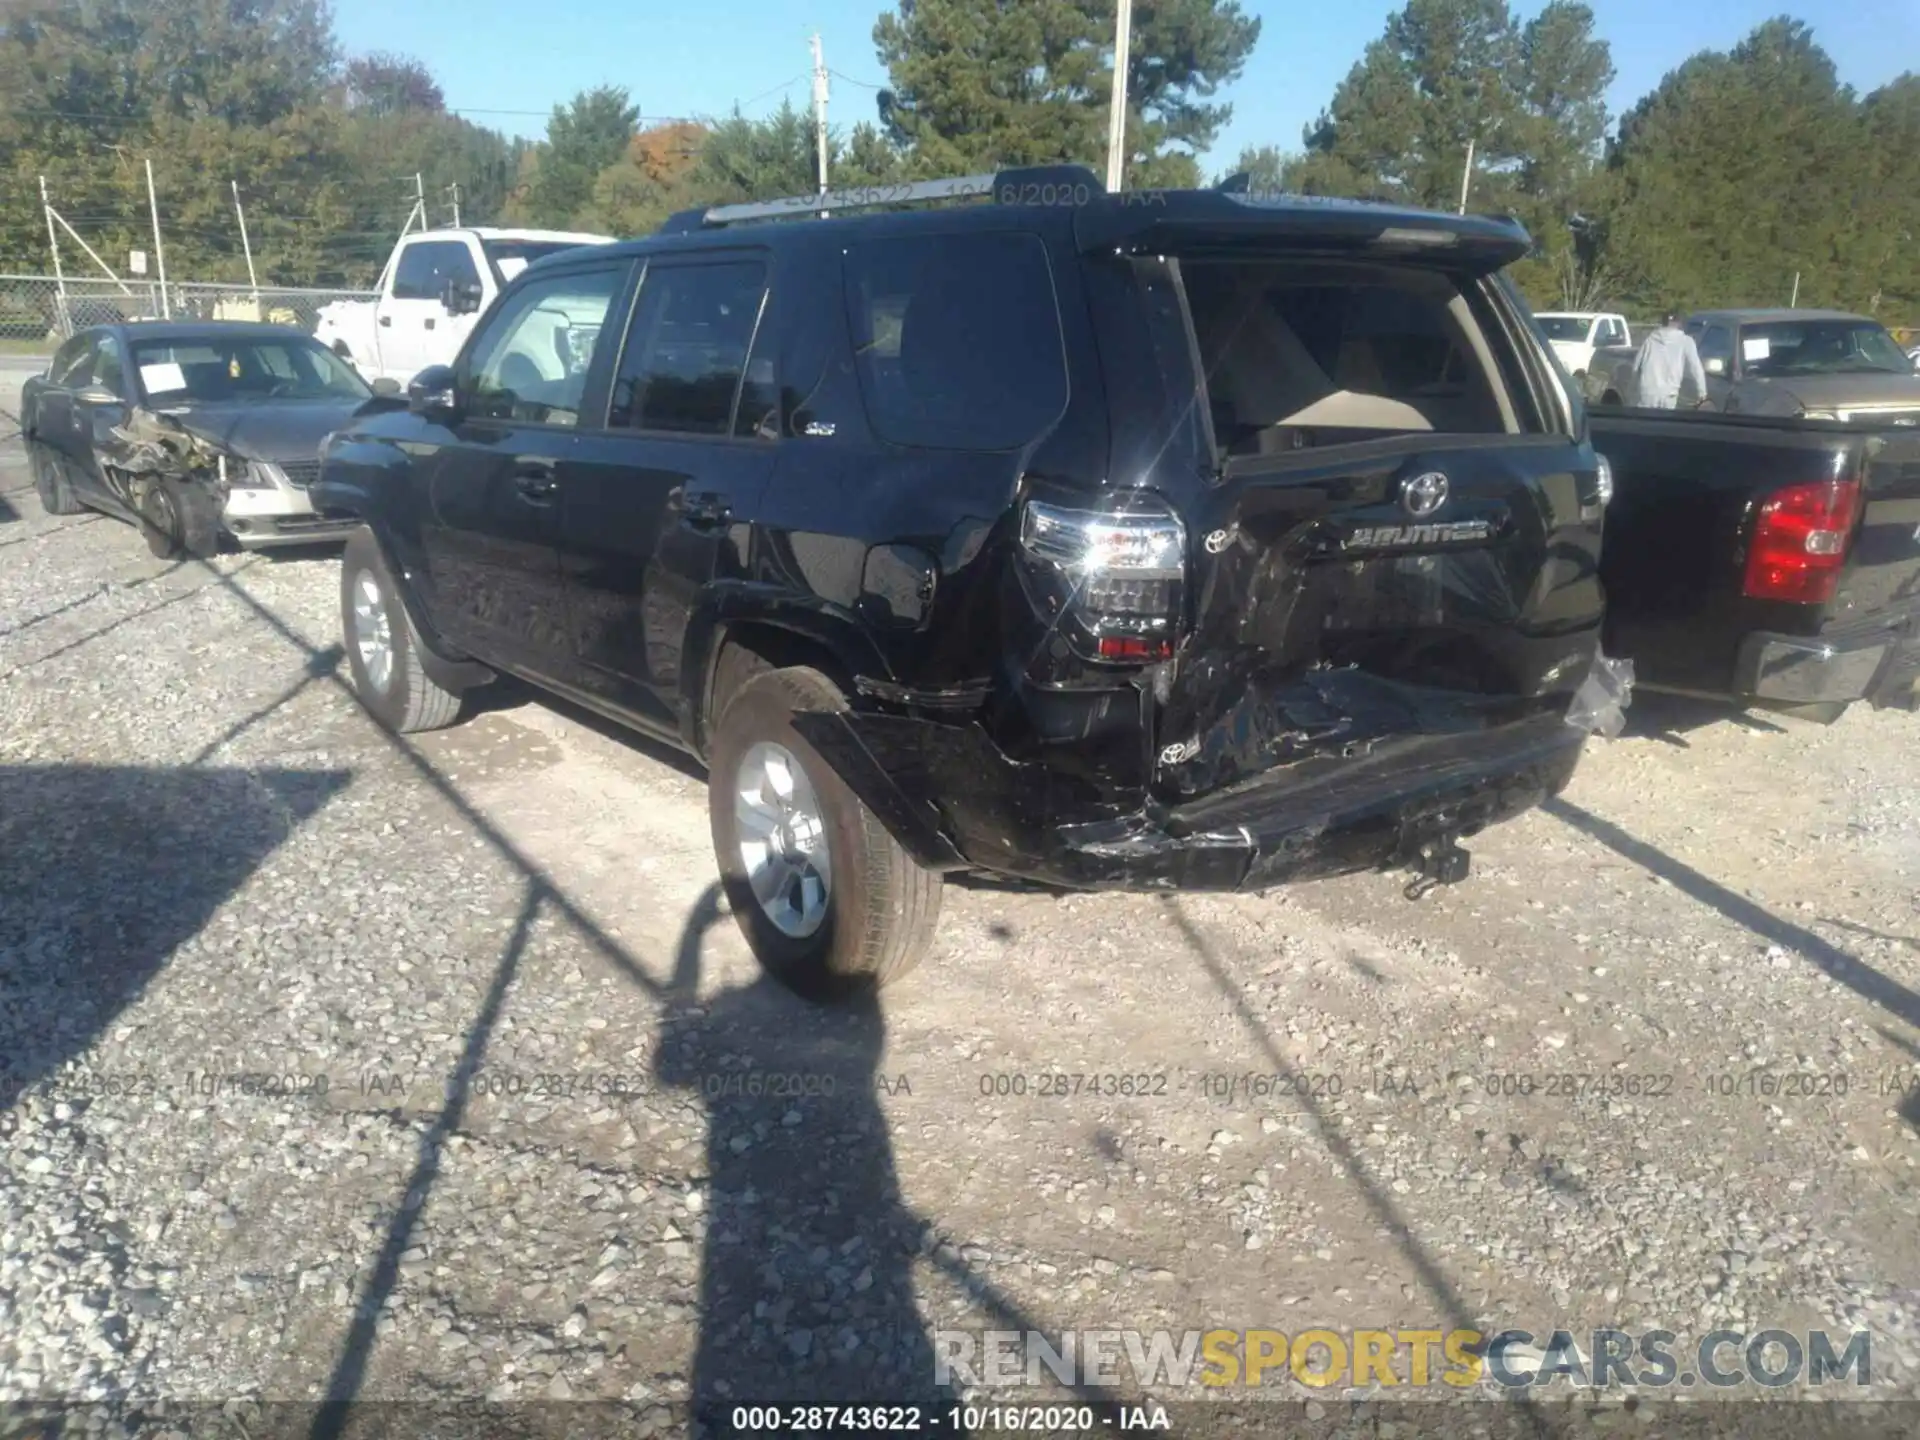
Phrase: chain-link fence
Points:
(38, 308)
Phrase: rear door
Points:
(1402, 535)
(489, 517)
(55, 419)
(650, 504)
(101, 396)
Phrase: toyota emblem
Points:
(1424, 494)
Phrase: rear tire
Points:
(180, 517)
(830, 932)
(383, 650)
(50, 481)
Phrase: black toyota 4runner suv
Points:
(1152, 541)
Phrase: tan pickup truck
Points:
(1808, 364)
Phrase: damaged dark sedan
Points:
(201, 433)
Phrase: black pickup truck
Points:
(1774, 563)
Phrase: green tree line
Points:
(1740, 170)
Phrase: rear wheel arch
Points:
(725, 652)
(747, 648)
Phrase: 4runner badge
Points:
(1219, 540)
(1185, 750)
(1457, 532)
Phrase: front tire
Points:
(180, 517)
(383, 650)
(50, 480)
(831, 904)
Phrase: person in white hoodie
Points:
(1667, 359)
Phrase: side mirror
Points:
(386, 385)
(434, 393)
(459, 298)
(1716, 366)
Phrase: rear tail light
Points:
(1124, 572)
(1800, 542)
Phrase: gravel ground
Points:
(518, 1154)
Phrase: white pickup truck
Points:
(436, 284)
(1576, 334)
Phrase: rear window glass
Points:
(956, 339)
(1301, 356)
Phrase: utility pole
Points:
(53, 243)
(454, 191)
(159, 255)
(820, 114)
(1117, 114)
(1794, 303)
(245, 244)
(1466, 175)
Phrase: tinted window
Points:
(69, 361)
(530, 363)
(1563, 327)
(687, 348)
(1613, 333)
(1299, 355)
(427, 265)
(107, 370)
(1716, 344)
(956, 339)
(223, 367)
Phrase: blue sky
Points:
(682, 59)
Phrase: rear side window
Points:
(956, 339)
(686, 352)
(425, 268)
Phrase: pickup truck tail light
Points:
(1125, 572)
(1800, 541)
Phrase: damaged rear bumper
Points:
(955, 801)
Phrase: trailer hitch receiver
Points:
(1438, 862)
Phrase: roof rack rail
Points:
(1074, 178)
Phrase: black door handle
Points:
(429, 322)
(386, 320)
(535, 483)
(707, 511)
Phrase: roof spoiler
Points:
(1030, 184)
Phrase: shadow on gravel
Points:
(112, 625)
(54, 530)
(1856, 975)
(775, 1034)
(1655, 715)
(806, 1279)
(7, 511)
(109, 869)
(1380, 1205)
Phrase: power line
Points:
(863, 84)
(775, 90)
